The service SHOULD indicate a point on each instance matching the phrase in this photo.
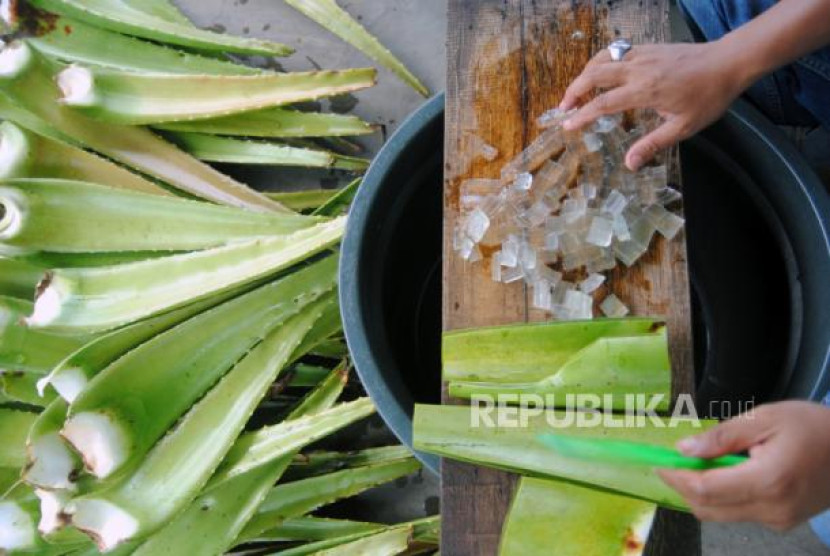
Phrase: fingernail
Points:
(689, 446)
(635, 162)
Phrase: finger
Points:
(738, 434)
(727, 514)
(603, 76)
(671, 132)
(729, 486)
(609, 102)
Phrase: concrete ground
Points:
(415, 30)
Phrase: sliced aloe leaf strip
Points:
(71, 375)
(214, 519)
(309, 528)
(213, 148)
(580, 521)
(276, 123)
(167, 374)
(326, 326)
(67, 216)
(72, 41)
(145, 98)
(302, 375)
(301, 497)
(181, 463)
(164, 9)
(25, 349)
(107, 297)
(386, 542)
(319, 463)
(51, 464)
(528, 352)
(334, 18)
(30, 98)
(14, 425)
(18, 278)
(89, 260)
(331, 348)
(302, 200)
(25, 154)
(463, 433)
(123, 17)
(341, 201)
(616, 366)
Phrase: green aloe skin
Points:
(579, 521)
(461, 433)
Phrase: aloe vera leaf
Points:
(528, 352)
(14, 426)
(275, 123)
(313, 464)
(178, 466)
(107, 297)
(309, 528)
(213, 520)
(51, 464)
(325, 327)
(30, 98)
(123, 17)
(49, 260)
(213, 148)
(70, 40)
(152, 98)
(465, 434)
(25, 154)
(302, 201)
(9, 477)
(75, 217)
(302, 375)
(386, 542)
(18, 278)
(334, 18)
(25, 349)
(164, 9)
(625, 365)
(167, 374)
(581, 521)
(341, 201)
(301, 497)
(70, 376)
(21, 387)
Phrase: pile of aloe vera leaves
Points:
(564, 505)
(170, 339)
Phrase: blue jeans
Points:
(797, 94)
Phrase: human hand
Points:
(689, 85)
(786, 479)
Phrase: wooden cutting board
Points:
(509, 61)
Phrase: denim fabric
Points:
(797, 94)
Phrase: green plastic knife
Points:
(632, 453)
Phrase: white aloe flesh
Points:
(334, 18)
(25, 154)
(152, 98)
(51, 464)
(103, 298)
(212, 148)
(30, 98)
(122, 16)
(276, 123)
(18, 526)
(67, 216)
(301, 497)
(580, 521)
(464, 433)
(70, 40)
(213, 520)
(168, 373)
(71, 375)
(178, 466)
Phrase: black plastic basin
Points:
(759, 255)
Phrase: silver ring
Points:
(619, 48)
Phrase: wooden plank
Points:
(509, 61)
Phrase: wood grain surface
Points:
(509, 61)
